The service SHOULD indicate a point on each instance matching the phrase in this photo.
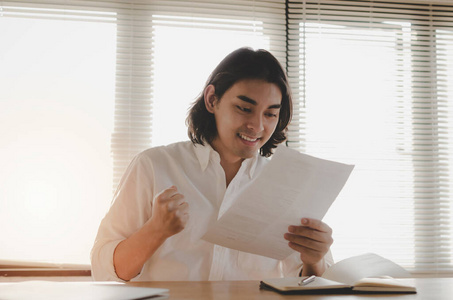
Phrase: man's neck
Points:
(230, 169)
(230, 164)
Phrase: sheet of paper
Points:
(352, 269)
(291, 186)
(50, 290)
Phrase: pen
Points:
(307, 280)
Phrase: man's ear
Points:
(210, 99)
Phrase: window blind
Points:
(164, 52)
(372, 81)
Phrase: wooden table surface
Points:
(427, 289)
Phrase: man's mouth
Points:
(247, 138)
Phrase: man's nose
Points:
(255, 122)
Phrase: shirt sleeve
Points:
(131, 208)
(291, 265)
(329, 259)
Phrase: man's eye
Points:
(244, 109)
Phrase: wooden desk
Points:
(427, 289)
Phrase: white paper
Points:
(291, 186)
(352, 269)
(49, 290)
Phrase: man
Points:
(169, 195)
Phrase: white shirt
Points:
(198, 175)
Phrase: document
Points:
(291, 186)
(48, 290)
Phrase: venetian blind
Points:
(163, 53)
(373, 86)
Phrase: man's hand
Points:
(312, 240)
(170, 212)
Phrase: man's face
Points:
(246, 117)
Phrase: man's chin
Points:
(249, 154)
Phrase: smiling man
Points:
(169, 195)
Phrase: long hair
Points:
(243, 63)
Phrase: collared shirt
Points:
(196, 171)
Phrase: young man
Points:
(169, 195)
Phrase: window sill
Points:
(42, 269)
(38, 272)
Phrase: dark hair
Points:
(243, 63)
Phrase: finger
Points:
(302, 249)
(307, 254)
(185, 219)
(164, 194)
(175, 202)
(316, 224)
(322, 246)
(168, 193)
(182, 214)
(184, 207)
(310, 233)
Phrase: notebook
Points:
(364, 273)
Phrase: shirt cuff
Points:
(102, 267)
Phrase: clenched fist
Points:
(170, 212)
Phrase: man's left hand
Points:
(312, 239)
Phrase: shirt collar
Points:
(252, 162)
(205, 152)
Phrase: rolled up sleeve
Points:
(131, 208)
(102, 268)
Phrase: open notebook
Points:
(363, 273)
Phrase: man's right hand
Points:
(170, 212)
